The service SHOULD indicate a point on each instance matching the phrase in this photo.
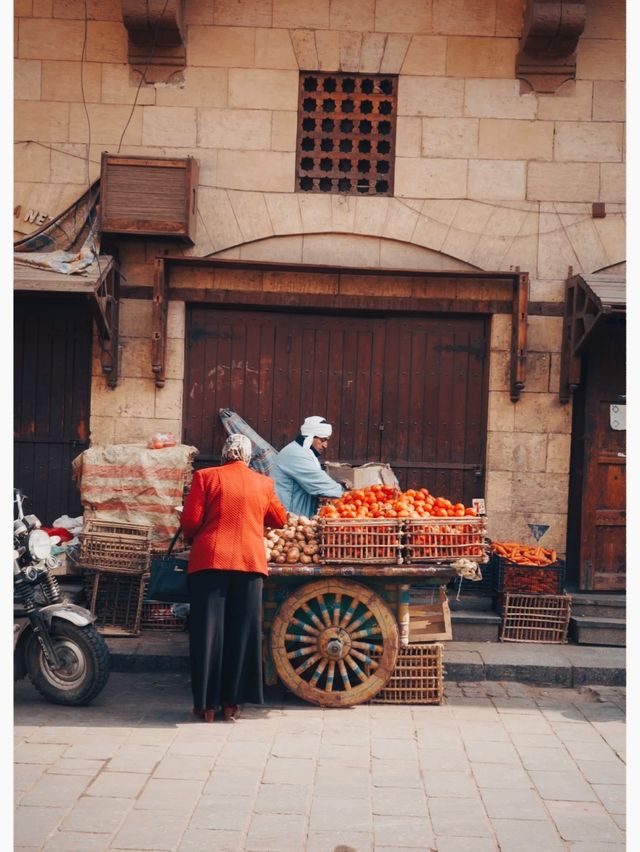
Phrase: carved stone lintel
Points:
(156, 37)
(552, 29)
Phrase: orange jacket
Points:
(225, 515)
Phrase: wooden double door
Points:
(407, 390)
(52, 390)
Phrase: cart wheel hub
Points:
(335, 643)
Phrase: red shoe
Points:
(205, 715)
(230, 712)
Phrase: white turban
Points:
(237, 447)
(315, 427)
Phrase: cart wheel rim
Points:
(334, 643)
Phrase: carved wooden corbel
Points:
(519, 335)
(156, 37)
(552, 29)
(159, 314)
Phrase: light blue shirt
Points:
(300, 480)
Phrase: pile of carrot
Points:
(524, 554)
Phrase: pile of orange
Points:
(383, 501)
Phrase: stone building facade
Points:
(489, 175)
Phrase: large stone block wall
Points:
(487, 176)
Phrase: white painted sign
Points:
(618, 417)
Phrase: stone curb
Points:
(559, 665)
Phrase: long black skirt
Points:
(225, 638)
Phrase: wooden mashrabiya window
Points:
(346, 133)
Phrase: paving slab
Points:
(71, 841)
(51, 791)
(286, 832)
(563, 786)
(157, 830)
(501, 776)
(466, 844)
(613, 797)
(329, 810)
(457, 817)
(95, 816)
(401, 832)
(513, 804)
(584, 821)
(521, 835)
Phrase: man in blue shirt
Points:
(299, 478)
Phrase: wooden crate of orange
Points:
(434, 529)
(366, 541)
(432, 540)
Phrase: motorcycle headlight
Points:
(39, 544)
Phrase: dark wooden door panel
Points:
(409, 391)
(434, 403)
(52, 386)
(603, 519)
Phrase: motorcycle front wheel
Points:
(84, 669)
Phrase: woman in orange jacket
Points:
(224, 517)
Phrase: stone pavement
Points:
(569, 665)
(500, 766)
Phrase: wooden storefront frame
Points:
(491, 300)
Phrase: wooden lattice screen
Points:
(346, 133)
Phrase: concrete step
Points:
(470, 604)
(591, 630)
(478, 626)
(597, 605)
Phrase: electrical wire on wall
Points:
(83, 60)
(143, 74)
(92, 214)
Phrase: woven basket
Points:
(109, 546)
(418, 677)
(445, 539)
(115, 598)
(535, 618)
(364, 540)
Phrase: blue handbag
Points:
(168, 581)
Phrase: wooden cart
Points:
(333, 630)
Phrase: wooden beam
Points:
(159, 322)
(284, 301)
(519, 335)
(569, 365)
(274, 266)
(105, 305)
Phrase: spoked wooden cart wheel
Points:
(334, 643)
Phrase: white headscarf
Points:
(237, 447)
(315, 427)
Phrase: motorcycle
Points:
(56, 643)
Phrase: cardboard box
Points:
(430, 622)
(371, 473)
(67, 566)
